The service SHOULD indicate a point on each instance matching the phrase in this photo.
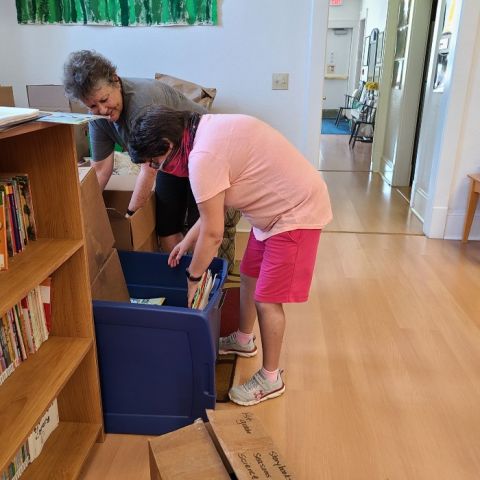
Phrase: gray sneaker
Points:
(230, 345)
(256, 390)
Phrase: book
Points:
(3, 234)
(45, 293)
(10, 116)
(148, 301)
(26, 204)
(18, 464)
(204, 288)
(47, 424)
(69, 118)
(18, 184)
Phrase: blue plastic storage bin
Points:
(157, 363)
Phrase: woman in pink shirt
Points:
(239, 161)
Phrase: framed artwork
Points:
(366, 45)
(372, 55)
(380, 46)
(117, 12)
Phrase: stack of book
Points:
(17, 465)
(17, 222)
(10, 116)
(204, 288)
(32, 448)
(24, 328)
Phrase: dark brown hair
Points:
(152, 129)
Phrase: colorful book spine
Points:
(18, 465)
(17, 220)
(3, 234)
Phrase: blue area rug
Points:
(329, 127)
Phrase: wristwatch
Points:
(130, 212)
(191, 277)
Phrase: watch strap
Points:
(191, 277)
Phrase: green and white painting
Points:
(118, 12)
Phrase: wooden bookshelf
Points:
(65, 367)
(65, 452)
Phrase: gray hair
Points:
(84, 71)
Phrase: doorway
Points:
(337, 70)
(409, 31)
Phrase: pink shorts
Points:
(283, 265)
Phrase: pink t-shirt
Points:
(262, 174)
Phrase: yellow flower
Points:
(371, 86)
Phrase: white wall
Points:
(344, 16)
(457, 152)
(375, 13)
(254, 40)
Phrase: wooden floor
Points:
(336, 155)
(382, 364)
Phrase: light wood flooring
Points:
(382, 364)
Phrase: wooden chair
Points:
(472, 204)
(351, 102)
(363, 123)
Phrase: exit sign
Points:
(336, 3)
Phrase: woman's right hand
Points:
(178, 251)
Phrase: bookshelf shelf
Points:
(27, 269)
(65, 366)
(34, 384)
(64, 452)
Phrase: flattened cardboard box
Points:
(98, 232)
(239, 438)
(110, 283)
(169, 453)
(247, 446)
(51, 98)
(6, 96)
(136, 232)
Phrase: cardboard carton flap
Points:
(110, 283)
(121, 229)
(143, 223)
(168, 454)
(247, 446)
(48, 97)
(6, 96)
(134, 232)
(98, 232)
(117, 200)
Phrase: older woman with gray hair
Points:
(92, 79)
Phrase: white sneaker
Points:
(230, 345)
(256, 390)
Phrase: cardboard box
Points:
(51, 98)
(239, 439)
(123, 183)
(6, 96)
(110, 283)
(98, 233)
(136, 232)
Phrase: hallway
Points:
(362, 201)
(381, 364)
